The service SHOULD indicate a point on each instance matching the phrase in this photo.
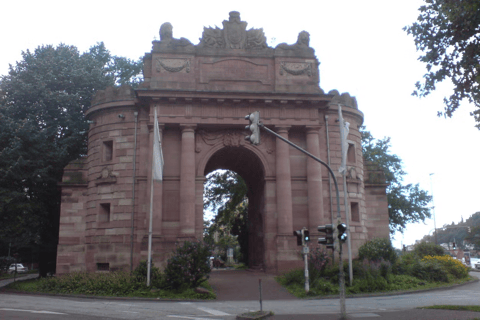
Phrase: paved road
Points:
(22, 306)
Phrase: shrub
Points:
(189, 265)
(452, 266)
(368, 284)
(428, 249)
(140, 275)
(296, 276)
(403, 282)
(317, 262)
(378, 249)
(320, 286)
(429, 270)
(108, 284)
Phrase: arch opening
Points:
(248, 166)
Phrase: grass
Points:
(297, 288)
(38, 285)
(452, 307)
(5, 276)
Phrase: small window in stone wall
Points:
(354, 212)
(351, 153)
(103, 266)
(104, 214)
(107, 150)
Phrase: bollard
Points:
(260, 288)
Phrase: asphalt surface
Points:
(234, 287)
(244, 285)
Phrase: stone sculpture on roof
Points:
(302, 44)
(168, 41)
(234, 35)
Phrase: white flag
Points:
(344, 129)
(157, 152)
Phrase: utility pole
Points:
(254, 139)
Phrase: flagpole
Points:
(149, 260)
(344, 149)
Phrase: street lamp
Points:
(433, 203)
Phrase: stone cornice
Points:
(266, 98)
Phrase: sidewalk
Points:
(413, 314)
(22, 277)
(243, 285)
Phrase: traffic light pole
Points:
(305, 259)
(339, 218)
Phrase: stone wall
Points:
(201, 94)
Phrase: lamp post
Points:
(433, 202)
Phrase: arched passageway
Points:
(249, 167)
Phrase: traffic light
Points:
(254, 127)
(342, 235)
(454, 245)
(306, 236)
(299, 235)
(328, 240)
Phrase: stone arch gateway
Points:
(202, 93)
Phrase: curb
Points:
(385, 294)
(393, 293)
(257, 315)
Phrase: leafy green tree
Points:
(406, 203)
(447, 32)
(42, 129)
(423, 249)
(378, 249)
(225, 193)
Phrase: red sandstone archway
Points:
(247, 164)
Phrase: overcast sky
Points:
(360, 45)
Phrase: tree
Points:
(406, 203)
(225, 194)
(42, 129)
(448, 34)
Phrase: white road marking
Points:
(129, 311)
(213, 311)
(31, 311)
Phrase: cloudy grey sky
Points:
(360, 45)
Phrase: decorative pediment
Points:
(234, 35)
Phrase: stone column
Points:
(284, 184)
(187, 181)
(314, 180)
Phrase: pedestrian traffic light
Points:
(254, 127)
(342, 229)
(328, 240)
(306, 236)
(454, 245)
(299, 235)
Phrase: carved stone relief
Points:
(296, 69)
(173, 65)
(233, 35)
(106, 176)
